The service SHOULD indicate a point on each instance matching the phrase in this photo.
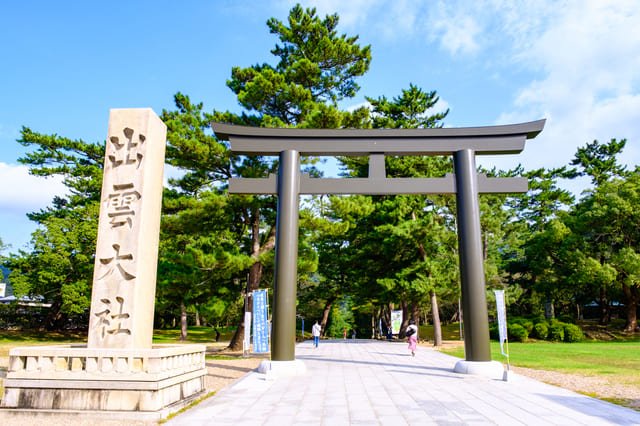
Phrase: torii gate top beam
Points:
(488, 140)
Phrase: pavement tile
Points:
(376, 383)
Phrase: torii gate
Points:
(462, 143)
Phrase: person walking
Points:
(412, 335)
(315, 331)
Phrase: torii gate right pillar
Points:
(474, 301)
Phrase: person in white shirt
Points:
(315, 331)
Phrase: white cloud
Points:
(22, 193)
(455, 28)
(588, 55)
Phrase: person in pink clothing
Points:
(412, 335)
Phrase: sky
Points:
(64, 64)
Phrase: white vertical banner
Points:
(502, 320)
(396, 321)
(246, 343)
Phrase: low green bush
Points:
(518, 333)
(541, 331)
(556, 331)
(526, 323)
(572, 333)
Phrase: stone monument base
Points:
(491, 369)
(119, 384)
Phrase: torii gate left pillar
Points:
(462, 143)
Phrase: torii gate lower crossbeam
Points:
(462, 143)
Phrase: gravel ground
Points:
(598, 387)
(222, 372)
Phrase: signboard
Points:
(502, 319)
(260, 322)
(246, 342)
(3, 289)
(396, 321)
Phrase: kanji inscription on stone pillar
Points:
(124, 277)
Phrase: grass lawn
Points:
(194, 335)
(617, 361)
(12, 338)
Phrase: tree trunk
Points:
(405, 318)
(632, 295)
(253, 281)
(197, 317)
(387, 314)
(54, 317)
(183, 322)
(437, 328)
(415, 313)
(380, 320)
(605, 310)
(255, 273)
(549, 309)
(325, 314)
(373, 326)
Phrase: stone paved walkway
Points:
(378, 383)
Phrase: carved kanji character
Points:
(127, 151)
(121, 205)
(116, 265)
(112, 323)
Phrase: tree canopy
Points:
(360, 256)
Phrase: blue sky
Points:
(64, 64)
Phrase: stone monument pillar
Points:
(124, 277)
(119, 375)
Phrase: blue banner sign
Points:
(260, 322)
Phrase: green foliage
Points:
(407, 111)
(573, 333)
(60, 267)
(341, 318)
(521, 328)
(60, 263)
(77, 161)
(3, 247)
(523, 322)
(517, 333)
(556, 331)
(541, 330)
(599, 160)
(316, 66)
(494, 333)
